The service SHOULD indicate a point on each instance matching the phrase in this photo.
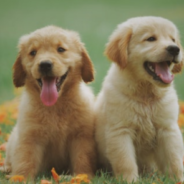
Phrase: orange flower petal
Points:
(55, 175)
(18, 178)
(182, 109)
(2, 162)
(3, 147)
(80, 178)
(2, 117)
(45, 182)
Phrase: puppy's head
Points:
(149, 48)
(48, 59)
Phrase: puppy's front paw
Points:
(129, 177)
(5, 169)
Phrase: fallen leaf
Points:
(17, 178)
(55, 175)
(80, 178)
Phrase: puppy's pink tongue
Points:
(162, 70)
(49, 94)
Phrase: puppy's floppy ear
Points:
(19, 74)
(116, 49)
(87, 71)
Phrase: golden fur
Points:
(136, 116)
(61, 135)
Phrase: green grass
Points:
(93, 19)
(107, 179)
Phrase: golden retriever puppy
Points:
(55, 127)
(137, 108)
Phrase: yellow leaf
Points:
(17, 178)
(80, 178)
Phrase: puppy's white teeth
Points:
(170, 72)
(39, 82)
(58, 80)
(151, 68)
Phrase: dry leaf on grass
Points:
(55, 175)
(80, 178)
(17, 178)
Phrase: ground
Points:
(8, 116)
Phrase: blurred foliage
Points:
(93, 19)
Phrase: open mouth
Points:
(50, 87)
(159, 71)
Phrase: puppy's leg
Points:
(7, 168)
(83, 156)
(10, 147)
(121, 154)
(169, 154)
(27, 158)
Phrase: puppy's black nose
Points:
(173, 50)
(45, 67)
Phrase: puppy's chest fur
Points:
(57, 126)
(145, 125)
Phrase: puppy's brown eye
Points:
(173, 39)
(33, 53)
(151, 39)
(60, 49)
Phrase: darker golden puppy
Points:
(55, 124)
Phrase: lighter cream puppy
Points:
(137, 108)
(55, 126)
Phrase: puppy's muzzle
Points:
(45, 67)
(174, 51)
